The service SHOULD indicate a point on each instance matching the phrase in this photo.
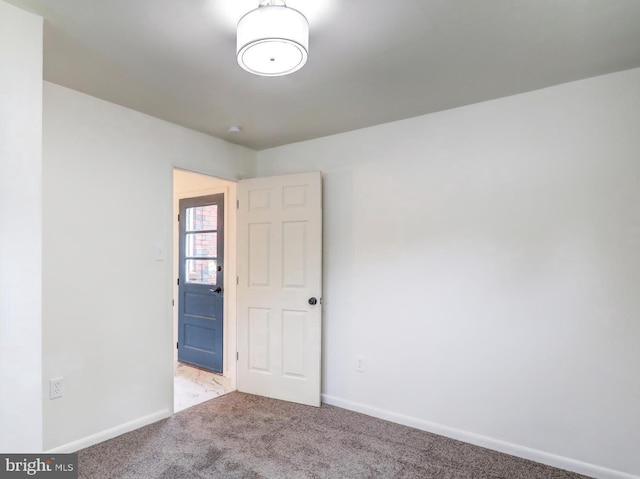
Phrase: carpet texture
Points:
(251, 437)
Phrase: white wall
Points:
(485, 262)
(187, 184)
(20, 230)
(107, 325)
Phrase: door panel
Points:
(294, 242)
(280, 268)
(259, 254)
(200, 322)
(258, 338)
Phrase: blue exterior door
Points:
(200, 281)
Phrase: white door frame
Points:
(228, 188)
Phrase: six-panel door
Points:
(280, 276)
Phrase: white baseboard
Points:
(483, 441)
(110, 433)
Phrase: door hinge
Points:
(237, 356)
(177, 345)
(173, 302)
(178, 218)
(178, 281)
(237, 280)
(237, 204)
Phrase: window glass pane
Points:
(202, 244)
(201, 271)
(202, 218)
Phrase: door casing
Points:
(201, 184)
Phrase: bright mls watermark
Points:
(51, 466)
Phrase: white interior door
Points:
(279, 277)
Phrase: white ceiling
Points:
(370, 61)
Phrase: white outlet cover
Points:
(56, 387)
(360, 364)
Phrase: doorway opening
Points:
(201, 273)
(204, 287)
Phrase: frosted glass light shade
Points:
(273, 40)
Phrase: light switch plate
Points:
(160, 252)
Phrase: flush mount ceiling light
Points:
(273, 39)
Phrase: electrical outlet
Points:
(55, 388)
(360, 364)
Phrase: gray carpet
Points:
(250, 437)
